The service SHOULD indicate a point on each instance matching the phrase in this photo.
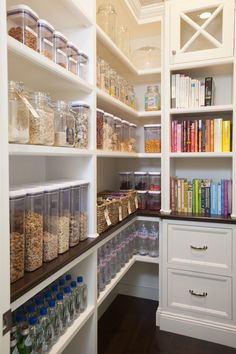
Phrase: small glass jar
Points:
(81, 110)
(140, 181)
(112, 88)
(22, 25)
(107, 19)
(50, 223)
(142, 200)
(152, 99)
(125, 136)
(72, 58)
(45, 42)
(126, 181)
(102, 74)
(83, 64)
(64, 217)
(131, 97)
(74, 213)
(34, 228)
(154, 181)
(154, 201)
(60, 123)
(107, 131)
(17, 234)
(83, 212)
(152, 136)
(100, 122)
(18, 113)
(132, 137)
(118, 132)
(60, 45)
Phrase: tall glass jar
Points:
(18, 113)
(60, 45)
(107, 131)
(123, 39)
(100, 135)
(103, 69)
(132, 137)
(118, 131)
(81, 110)
(152, 99)
(60, 123)
(107, 18)
(74, 213)
(125, 136)
(45, 42)
(83, 64)
(107, 78)
(71, 126)
(98, 72)
(83, 212)
(72, 58)
(113, 83)
(64, 217)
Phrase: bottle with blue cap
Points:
(55, 290)
(25, 343)
(13, 346)
(69, 306)
(61, 285)
(82, 288)
(61, 311)
(31, 310)
(68, 279)
(20, 322)
(54, 319)
(36, 335)
(39, 304)
(47, 329)
(76, 296)
(47, 297)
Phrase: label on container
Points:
(129, 207)
(151, 102)
(136, 202)
(120, 213)
(29, 106)
(107, 218)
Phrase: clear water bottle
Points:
(84, 293)
(76, 296)
(122, 254)
(69, 304)
(68, 279)
(20, 322)
(55, 290)
(48, 329)
(39, 304)
(153, 242)
(61, 285)
(98, 279)
(62, 311)
(25, 343)
(47, 297)
(13, 346)
(36, 335)
(143, 240)
(55, 319)
(31, 311)
(102, 275)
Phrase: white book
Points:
(173, 91)
(202, 94)
(177, 85)
(218, 135)
(192, 92)
(182, 91)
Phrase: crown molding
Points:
(145, 14)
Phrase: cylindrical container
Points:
(125, 136)
(60, 112)
(72, 57)
(142, 200)
(102, 74)
(106, 77)
(18, 113)
(107, 131)
(100, 121)
(140, 181)
(60, 45)
(126, 181)
(81, 110)
(154, 200)
(107, 18)
(154, 181)
(22, 25)
(70, 126)
(83, 222)
(112, 89)
(74, 213)
(153, 242)
(152, 136)
(34, 228)
(83, 64)
(152, 99)
(118, 132)
(17, 234)
(45, 41)
(123, 39)
(132, 137)
(143, 240)
(50, 223)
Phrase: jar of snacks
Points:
(125, 136)
(126, 181)
(72, 57)
(45, 42)
(152, 136)
(140, 181)
(142, 200)
(154, 201)
(81, 114)
(83, 62)
(118, 131)
(60, 45)
(100, 122)
(74, 213)
(64, 217)
(108, 131)
(132, 137)
(83, 211)
(154, 181)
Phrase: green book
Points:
(200, 196)
(194, 197)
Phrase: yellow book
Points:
(226, 136)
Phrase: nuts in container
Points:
(74, 213)
(81, 114)
(64, 217)
(83, 212)
(45, 41)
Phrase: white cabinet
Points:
(201, 30)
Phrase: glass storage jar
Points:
(152, 136)
(60, 112)
(152, 99)
(143, 240)
(22, 25)
(41, 123)
(125, 136)
(81, 110)
(107, 18)
(148, 57)
(154, 200)
(18, 113)
(153, 241)
(132, 137)
(64, 217)
(118, 131)
(123, 39)
(74, 213)
(60, 45)
(17, 234)
(34, 228)
(102, 74)
(154, 181)
(45, 41)
(126, 181)
(107, 131)
(50, 222)
(100, 122)
(107, 78)
(83, 63)
(113, 83)
(83, 211)
(142, 200)
(98, 71)
(72, 57)
(140, 181)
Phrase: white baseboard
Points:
(139, 291)
(206, 330)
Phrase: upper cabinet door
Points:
(201, 29)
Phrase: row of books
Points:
(201, 196)
(210, 135)
(191, 93)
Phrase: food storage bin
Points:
(125, 136)
(154, 181)
(64, 217)
(60, 112)
(142, 200)
(60, 49)
(108, 128)
(81, 115)
(107, 19)
(117, 134)
(83, 63)
(41, 122)
(83, 211)
(72, 57)
(45, 39)
(100, 122)
(50, 222)
(74, 213)
(132, 137)
(152, 99)
(126, 181)
(18, 113)
(154, 200)
(34, 228)
(140, 181)
(22, 25)
(98, 71)
(17, 234)
(152, 137)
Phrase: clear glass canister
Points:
(34, 228)
(22, 25)
(123, 39)
(60, 45)
(153, 241)
(152, 136)
(60, 112)
(107, 78)
(140, 181)
(83, 64)
(125, 136)
(132, 137)
(107, 19)
(17, 234)
(154, 181)
(98, 64)
(81, 110)
(107, 131)
(154, 200)
(41, 123)
(100, 121)
(74, 213)
(72, 57)
(64, 217)
(113, 83)
(126, 181)
(83, 212)
(45, 42)
(118, 131)
(152, 99)
(102, 74)
(142, 200)
(18, 113)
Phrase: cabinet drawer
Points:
(204, 294)
(199, 246)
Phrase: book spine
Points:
(176, 194)
(226, 136)
(173, 91)
(212, 136)
(185, 196)
(222, 196)
(213, 199)
(179, 137)
(179, 195)
(208, 91)
(208, 199)
(196, 135)
(192, 137)
(218, 135)
(208, 135)
(182, 194)
(199, 197)
(202, 94)
(190, 197)
(188, 137)
(219, 199)
(230, 196)
(200, 135)
(193, 196)
(196, 196)
(226, 197)
(203, 198)
(203, 136)
(185, 136)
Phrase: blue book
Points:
(222, 197)
(214, 199)
(219, 198)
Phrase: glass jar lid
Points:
(140, 173)
(16, 9)
(59, 35)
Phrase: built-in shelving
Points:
(147, 259)
(200, 154)
(207, 109)
(127, 154)
(40, 150)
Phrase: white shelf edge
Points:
(147, 259)
(41, 150)
(207, 109)
(47, 64)
(144, 114)
(71, 331)
(200, 64)
(151, 155)
(144, 72)
(200, 154)
(119, 154)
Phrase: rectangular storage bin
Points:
(154, 181)
(45, 41)
(152, 137)
(83, 212)
(74, 213)
(154, 200)
(64, 217)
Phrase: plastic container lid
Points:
(50, 188)
(61, 282)
(73, 46)
(141, 192)
(38, 301)
(125, 173)
(75, 104)
(52, 303)
(12, 10)
(67, 290)
(80, 279)
(152, 125)
(132, 125)
(124, 122)
(33, 321)
(47, 294)
(17, 193)
(154, 192)
(34, 190)
(140, 173)
(118, 119)
(83, 55)
(154, 173)
(44, 23)
(108, 115)
(68, 277)
(60, 35)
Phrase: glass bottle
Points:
(123, 39)
(54, 319)
(153, 238)
(107, 18)
(76, 296)
(61, 285)
(82, 287)
(152, 99)
(143, 240)
(47, 329)
(36, 335)
(25, 343)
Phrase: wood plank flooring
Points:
(128, 327)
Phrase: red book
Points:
(196, 135)
(212, 136)
(208, 135)
(179, 137)
(173, 136)
(200, 135)
(188, 137)
(184, 136)
(192, 137)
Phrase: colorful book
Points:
(226, 136)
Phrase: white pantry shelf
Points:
(149, 114)
(226, 64)
(207, 109)
(41, 150)
(200, 154)
(120, 154)
(147, 259)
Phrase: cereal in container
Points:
(81, 115)
(45, 42)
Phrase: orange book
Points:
(212, 136)
(208, 136)
(200, 135)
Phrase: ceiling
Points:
(149, 2)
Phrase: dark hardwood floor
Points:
(128, 327)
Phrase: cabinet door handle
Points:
(192, 292)
(203, 248)
(173, 52)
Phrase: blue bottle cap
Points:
(73, 284)
(80, 279)
(33, 320)
(68, 277)
(20, 317)
(55, 288)
(47, 294)
(60, 296)
(31, 308)
(52, 303)
(67, 290)
(61, 282)
(38, 301)
(43, 311)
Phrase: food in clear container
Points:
(74, 213)
(100, 122)
(60, 45)
(125, 136)
(107, 19)
(142, 200)
(154, 181)
(81, 110)
(126, 181)
(83, 224)
(132, 137)
(117, 134)
(140, 181)
(64, 217)
(108, 124)
(83, 64)
(152, 136)
(154, 201)
(45, 41)
(60, 114)
(152, 99)
(72, 57)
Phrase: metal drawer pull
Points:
(204, 248)
(192, 292)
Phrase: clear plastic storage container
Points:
(60, 45)
(153, 241)
(51, 223)
(83, 64)
(142, 200)
(83, 212)
(22, 25)
(126, 181)
(34, 228)
(74, 213)
(17, 234)
(64, 217)
(81, 110)
(45, 41)
(72, 57)
(125, 136)
(132, 137)
(107, 19)
(154, 200)
(108, 128)
(154, 181)
(60, 112)
(100, 122)
(152, 136)
(118, 132)
(140, 181)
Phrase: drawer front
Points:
(199, 246)
(198, 293)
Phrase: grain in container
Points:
(100, 122)
(83, 211)
(81, 115)
(74, 213)
(152, 137)
(45, 39)
(132, 137)
(125, 136)
(108, 128)
(72, 57)
(60, 49)
(117, 134)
